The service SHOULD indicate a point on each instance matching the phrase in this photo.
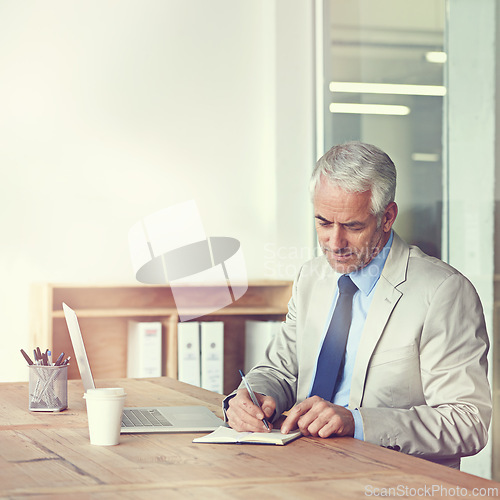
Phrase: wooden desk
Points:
(49, 454)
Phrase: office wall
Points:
(113, 110)
(472, 117)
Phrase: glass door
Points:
(383, 84)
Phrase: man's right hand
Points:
(242, 415)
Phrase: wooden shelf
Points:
(104, 311)
(125, 313)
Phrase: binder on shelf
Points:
(258, 335)
(144, 349)
(212, 356)
(188, 353)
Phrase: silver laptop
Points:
(143, 419)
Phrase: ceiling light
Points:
(436, 57)
(387, 88)
(369, 109)
(427, 157)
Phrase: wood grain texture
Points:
(49, 455)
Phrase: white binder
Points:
(258, 335)
(144, 349)
(188, 352)
(212, 356)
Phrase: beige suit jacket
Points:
(420, 376)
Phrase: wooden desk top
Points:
(49, 454)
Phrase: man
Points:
(413, 372)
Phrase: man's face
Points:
(347, 231)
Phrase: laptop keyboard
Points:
(141, 418)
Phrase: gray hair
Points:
(357, 167)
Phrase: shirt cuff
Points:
(358, 425)
(225, 404)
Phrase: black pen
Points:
(26, 357)
(252, 395)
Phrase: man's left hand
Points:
(319, 418)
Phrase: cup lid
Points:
(104, 392)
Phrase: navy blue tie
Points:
(331, 356)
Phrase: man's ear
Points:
(390, 214)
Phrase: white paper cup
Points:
(104, 412)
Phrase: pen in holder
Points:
(48, 387)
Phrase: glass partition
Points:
(384, 84)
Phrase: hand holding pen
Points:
(253, 397)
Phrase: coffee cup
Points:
(104, 412)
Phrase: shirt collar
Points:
(366, 278)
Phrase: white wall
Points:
(112, 110)
(472, 95)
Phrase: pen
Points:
(59, 359)
(26, 357)
(252, 395)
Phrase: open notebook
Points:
(143, 419)
(226, 435)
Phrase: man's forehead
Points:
(334, 204)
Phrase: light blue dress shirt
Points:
(365, 279)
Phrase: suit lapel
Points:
(385, 299)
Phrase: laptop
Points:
(143, 419)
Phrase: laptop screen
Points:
(78, 347)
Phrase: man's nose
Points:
(336, 238)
